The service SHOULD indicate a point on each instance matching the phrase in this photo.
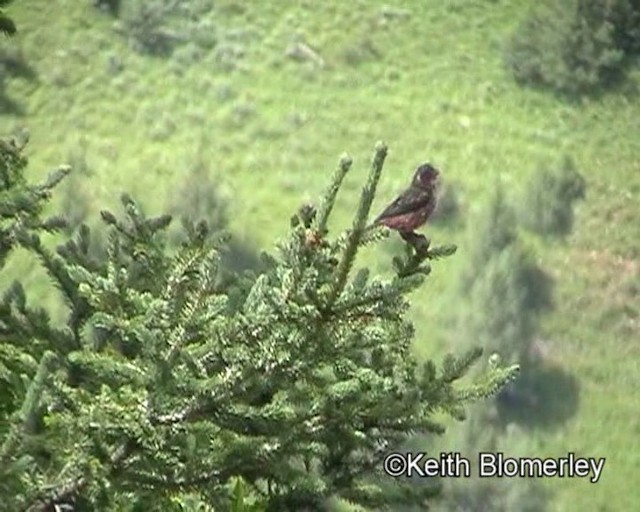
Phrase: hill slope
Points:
(428, 79)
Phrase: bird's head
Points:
(426, 176)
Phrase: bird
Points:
(414, 206)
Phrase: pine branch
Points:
(359, 224)
(28, 411)
(153, 481)
(55, 266)
(418, 251)
(454, 368)
(67, 492)
(330, 195)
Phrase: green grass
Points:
(434, 88)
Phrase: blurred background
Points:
(238, 111)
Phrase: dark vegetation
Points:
(157, 27)
(12, 63)
(576, 46)
(110, 6)
(7, 26)
(548, 204)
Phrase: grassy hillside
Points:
(428, 78)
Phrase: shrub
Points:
(110, 6)
(145, 24)
(157, 27)
(625, 17)
(13, 64)
(7, 26)
(547, 208)
(576, 46)
(199, 196)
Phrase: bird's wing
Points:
(402, 205)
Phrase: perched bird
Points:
(412, 208)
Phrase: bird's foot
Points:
(420, 243)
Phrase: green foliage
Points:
(504, 303)
(75, 203)
(199, 195)
(169, 389)
(112, 6)
(504, 288)
(550, 196)
(575, 46)
(12, 64)
(156, 27)
(502, 294)
(493, 231)
(7, 26)
(480, 433)
(624, 15)
(21, 203)
(145, 25)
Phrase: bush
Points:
(7, 26)
(110, 6)
(157, 27)
(547, 208)
(199, 196)
(576, 46)
(75, 202)
(13, 64)
(145, 24)
(625, 17)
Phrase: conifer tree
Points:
(169, 389)
(503, 293)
